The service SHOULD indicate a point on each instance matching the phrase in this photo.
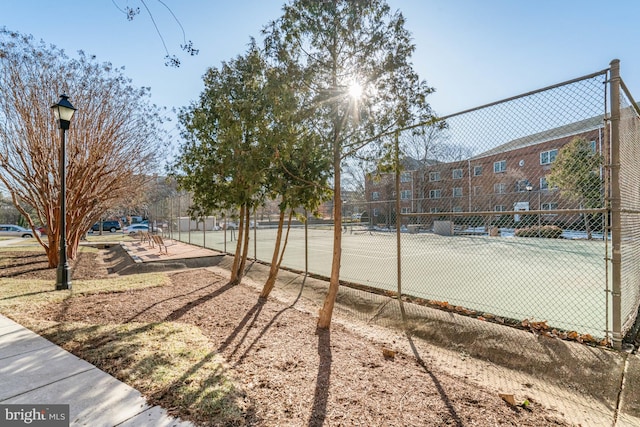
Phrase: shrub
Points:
(504, 221)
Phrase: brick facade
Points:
(510, 177)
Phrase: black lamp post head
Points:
(63, 111)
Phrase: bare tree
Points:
(432, 144)
(111, 146)
(186, 45)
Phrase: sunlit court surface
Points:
(561, 281)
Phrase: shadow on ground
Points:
(558, 369)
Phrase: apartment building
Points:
(509, 177)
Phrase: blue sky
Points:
(472, 51)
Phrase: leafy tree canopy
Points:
(341, 45)
(576, 172)
(354, 61)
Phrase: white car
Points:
(10, 230)
(134, 228)
(229, 225)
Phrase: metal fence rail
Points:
(527, 209)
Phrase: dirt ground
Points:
(290, 373)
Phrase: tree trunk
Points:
(74, 244)
(236, 257)
(244, 237)
(53, 249)
(286, 238)
(278, 255)
(587, 223)
(324, 321)
(273, 271)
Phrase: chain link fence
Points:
(522, 212)
(510, 221)
(627, 273)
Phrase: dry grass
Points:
(20, 294)
(159, 359)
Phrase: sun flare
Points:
(355, 90)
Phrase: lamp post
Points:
(529, 187)
(63, 111)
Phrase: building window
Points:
(499, 208)
(548, 157)
(477, 190)
(405, 177)
(549, 206)
(593, 146)
(405, 194)
(477, 170)
(435, 194)
(375, 212)
(457, 174)
(499, 167)
(457, 209)
(434, 176)
(521, 185)
(544, 185)
(406, 210)
(434, 210)
(375, 195)
(500, 188)
(457, 191)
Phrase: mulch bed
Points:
(291, 373)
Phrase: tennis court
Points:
(561, 281)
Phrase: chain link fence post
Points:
(615, 204)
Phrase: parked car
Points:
(111, 226)
(134, 228)
(43, 230)
(229, 225)
(10, 230)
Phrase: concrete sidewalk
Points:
(144, 252)
(34, 371)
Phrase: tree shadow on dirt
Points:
(177, 314)
(259, 305)
(14, 265)
(321, 393)
(455, 418)
(141, 312)
(323, 379)
(22, 273)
